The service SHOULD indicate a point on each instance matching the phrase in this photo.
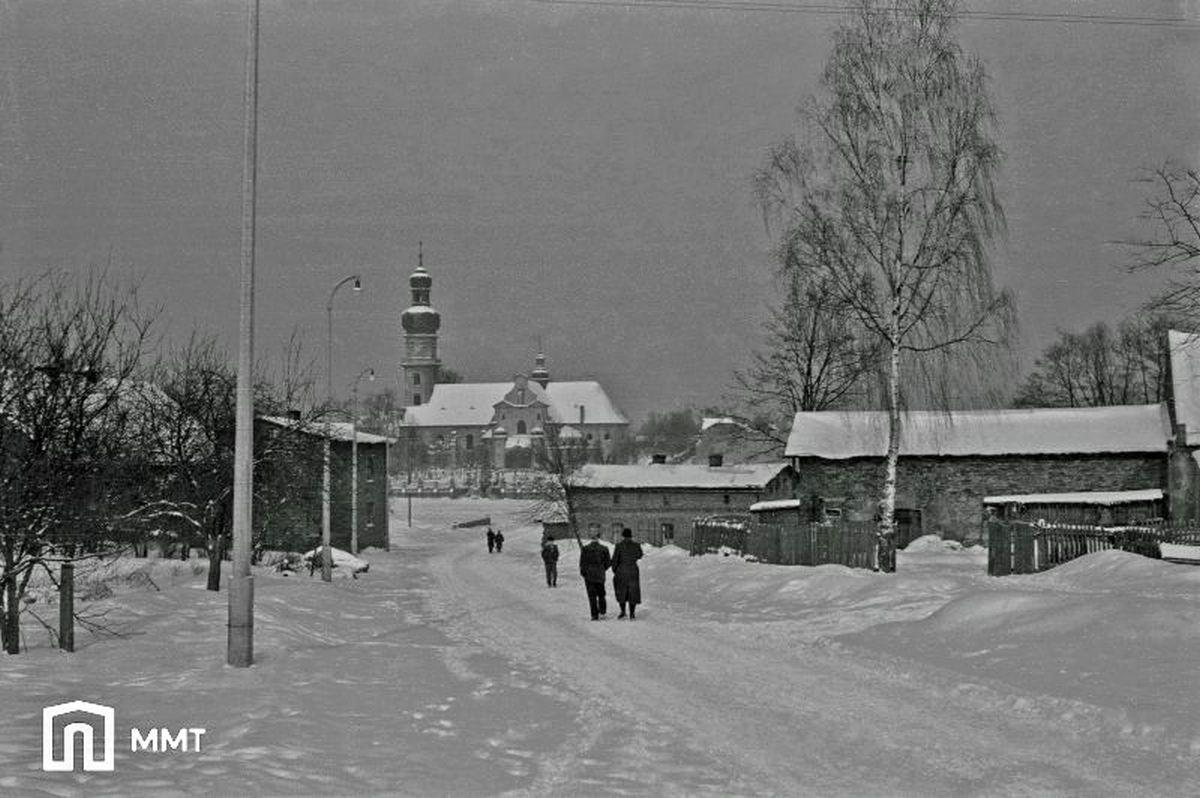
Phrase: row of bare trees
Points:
(109, 441)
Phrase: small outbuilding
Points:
(659, 501)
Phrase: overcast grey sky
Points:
(580, 174)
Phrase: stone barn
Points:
(950, 462)
(659, 502)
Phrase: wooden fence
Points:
(797, 543)
(1016, 547)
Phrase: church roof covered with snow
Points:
(839, 435)
(1185, 382)
(649, 477)
(463, 404)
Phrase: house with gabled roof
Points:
(498, 424)
(659, 501)
(1093, 465)
(951, 462)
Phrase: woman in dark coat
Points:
(626, 579)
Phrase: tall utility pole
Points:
(240, 647)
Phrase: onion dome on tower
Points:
(420, 318)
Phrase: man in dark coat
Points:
(491, 536)
(627, 584)
(594, 561)
(499, 541)
(550, 559)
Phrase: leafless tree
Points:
(558, 457)
(1101, 366)
(886, 200)
(192, 400)
(814, 357)
(69, 352)
(1173, 210)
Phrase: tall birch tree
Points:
(886, 199)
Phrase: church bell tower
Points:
(419, 368)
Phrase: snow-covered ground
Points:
(446, 670)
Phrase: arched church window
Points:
(521, 427)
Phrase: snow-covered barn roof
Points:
(1104, 498)
(465, 404)
(838, 435)
(1185, 381)
(649, 477)
(335, 430)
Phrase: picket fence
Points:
(844, 543)
(1016, 547)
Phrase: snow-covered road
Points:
(685, 701)
(450, 671)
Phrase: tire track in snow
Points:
(745, 718)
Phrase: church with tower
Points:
(495, 424)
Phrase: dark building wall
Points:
(646, 510)
(949, 491)
(288, 482)
(372, 496)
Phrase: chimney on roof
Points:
(716, 460)
(658, 459)
(293, 414)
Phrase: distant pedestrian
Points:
(594, 561)
(550, 559)
(499, 541)
(491, 536)
(627, 581)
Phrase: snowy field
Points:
(449, 671)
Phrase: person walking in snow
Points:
(499, 541)
(594, 561)
(627, 580)
(491, 536)
(550, 559)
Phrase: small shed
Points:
(1096, 508)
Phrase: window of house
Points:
(416, 378)
(416, 398)
(616, 498)
(521, 427)
(668, 532)
(608, 436)
(666, 500)
(470, 442)
(726, 498)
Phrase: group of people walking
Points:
(495, 540)
(594, 563)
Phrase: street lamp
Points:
(369, 373)
(326, 486)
